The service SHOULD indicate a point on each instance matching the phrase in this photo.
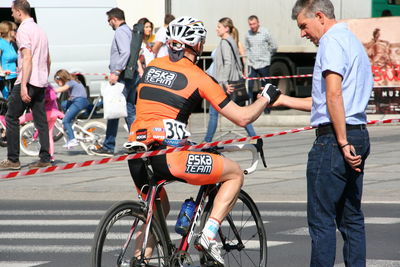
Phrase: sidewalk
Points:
(282, 181)
(277, 118)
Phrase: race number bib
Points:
(175, 130)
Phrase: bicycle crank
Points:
(181, 259)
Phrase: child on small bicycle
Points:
(77, 101)
(52, 114)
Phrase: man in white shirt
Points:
(160, 49)
(259, 48)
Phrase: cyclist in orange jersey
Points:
(169, 89)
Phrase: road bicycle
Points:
(89, 134)
(242, 233)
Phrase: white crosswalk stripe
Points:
(86, 222)
(368, 220)
(101, 212)
(38, 223)
(22, 263)
(377, 263)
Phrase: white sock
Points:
(211, 228)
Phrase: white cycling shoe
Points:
(210, 247)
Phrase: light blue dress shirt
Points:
(120, 48)
(341, 52)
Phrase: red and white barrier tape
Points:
(75, 73)
(91, 74)
(278, 77)
(244, 77)
(163, 151)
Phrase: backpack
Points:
(136, 42)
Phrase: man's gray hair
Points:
(312, 6)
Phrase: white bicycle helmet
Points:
(185, 31)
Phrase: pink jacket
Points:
(51, 106)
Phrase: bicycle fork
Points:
(148, 206)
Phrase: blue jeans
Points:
(334, 193)
(112, 125)
(213, 122)
(263, 72)
(71, 109)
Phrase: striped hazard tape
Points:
(69, 166)
(278, 77)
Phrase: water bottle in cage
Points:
(185, 216)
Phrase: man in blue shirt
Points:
(342, 84)
(120, 53)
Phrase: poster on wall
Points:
(381, 39)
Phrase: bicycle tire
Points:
(3, 111)
(58, 130)
(113, 230)
(87, 143)
(29, 142)
(3, 137)
(249, 224)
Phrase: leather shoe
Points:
(39, 164)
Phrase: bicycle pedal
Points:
(210, 263)
(196, 243)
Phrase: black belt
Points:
(328, 128)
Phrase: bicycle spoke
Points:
(243, 236)
(118, 238)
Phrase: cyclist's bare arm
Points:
(242, 116)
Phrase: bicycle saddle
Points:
(135, 147)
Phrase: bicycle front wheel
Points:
(29, 139)
(58, 132)
(242, 234)
(89, 142)
(116, 235)
(3, 137)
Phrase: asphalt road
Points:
(282, 181)
(279, 190)
(60, 233)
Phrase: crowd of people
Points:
(162, 90)
(228, 65)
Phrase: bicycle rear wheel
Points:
(29, 139)
(113, 247)
(242, 234)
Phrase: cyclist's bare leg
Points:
(140, 234)
(232, 181)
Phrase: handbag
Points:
(239, 95)
(114, 102)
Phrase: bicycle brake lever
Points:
(260, 150)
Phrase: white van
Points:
(79, 36)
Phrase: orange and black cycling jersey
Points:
(166, 95)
